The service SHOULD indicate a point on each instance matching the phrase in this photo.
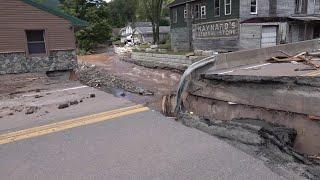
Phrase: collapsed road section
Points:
(261, 98)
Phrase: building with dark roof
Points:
(141, 32)
(230, 25)
(36, 37)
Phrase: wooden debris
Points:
(315, 118)
(303, 57)
(315, 157)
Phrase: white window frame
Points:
(203, 12)
(225, 7)
(217, 9)
(252, 5)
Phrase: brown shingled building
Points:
(36, 38)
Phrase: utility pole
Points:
(189, 25)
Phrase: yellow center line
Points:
(68, 124)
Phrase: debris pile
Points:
(268, 142)
(95, 77)
(304, 57)
(123, 52)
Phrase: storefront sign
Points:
(216, 29)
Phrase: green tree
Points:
(122, 12)
(97, 13)
(153, 11)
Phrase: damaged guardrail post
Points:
(184, 82)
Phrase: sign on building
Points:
(216, 29)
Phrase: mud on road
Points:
(123, 79)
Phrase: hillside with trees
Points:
(103, 16)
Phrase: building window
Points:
(227, 7)
(175, 16)
(197, 11)
(203, 12)
(253, 7)
(35, 41)
(185, 13)
(216, 8)
(301, 6)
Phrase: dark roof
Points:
(305, 18)
(50, 3)
(266, 19)
(148, 30)
(75, 21)
(179, 2)
(141, 24)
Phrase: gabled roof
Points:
(179, 2)
(140, 24)
(148, 30)
(74, 21)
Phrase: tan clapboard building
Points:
(36, 38)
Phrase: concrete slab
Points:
(268, 69)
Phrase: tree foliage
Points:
(122, 12)
(153, 12)
(97, 13)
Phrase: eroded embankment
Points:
(268, 142)
(272, 118)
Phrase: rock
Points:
(31, 110)
(122, 94)
(1, 117)
(198, 52)
(74, 103)
(154, 46)
(37, 96)
(10, 114)
(149, 50)
(208, 53)
(162, 51)
(63, 106)
(92, 95)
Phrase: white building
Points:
(141, 32)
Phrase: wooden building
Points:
(141, 33)
(36, 38)
(229, 25)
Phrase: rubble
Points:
(95, 77)
(63, 106)
(75, 102)
(31, 110)
(268, 142)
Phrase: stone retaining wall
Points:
(153, 60)
(18, 62)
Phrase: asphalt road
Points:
(123, 145)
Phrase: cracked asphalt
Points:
(141, 145)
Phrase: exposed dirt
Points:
(136, 83)
(268, 142)
(14, 84)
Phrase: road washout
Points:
(123, 79)
(270, 143)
